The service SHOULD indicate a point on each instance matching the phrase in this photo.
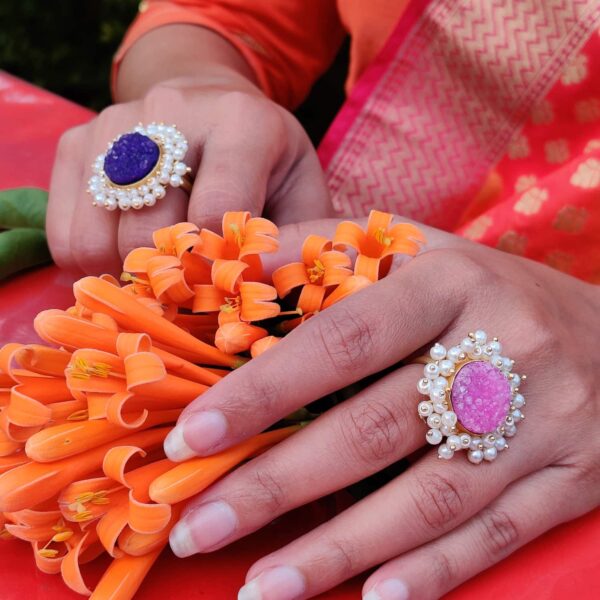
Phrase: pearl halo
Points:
(440, 370)
(169, 170)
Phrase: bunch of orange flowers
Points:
(83, 419)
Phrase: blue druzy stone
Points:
(131, 158)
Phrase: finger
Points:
(304, 194)
(137, 226)
(65, 194)
(527, 509)
(335, 348)
(360, 437)
(427, 501)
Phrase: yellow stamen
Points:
(130, 278)
(231, 305)
(315, 273)
(80, 415)
(63, 536)
(83, 516)
(85, 497)
(47, 553)
(380, 236)
(237, 234)
(81, 369)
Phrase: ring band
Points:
(474, 399)
(138, 166)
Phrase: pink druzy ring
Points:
(473, 399)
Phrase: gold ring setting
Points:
(473, 399)
(138, 167)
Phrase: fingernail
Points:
(277, 583)
(206, 429)
(389, 589)
(203, 528)
(175, 447)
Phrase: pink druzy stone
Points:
(480, 396)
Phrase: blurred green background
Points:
(65, 46)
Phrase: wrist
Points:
(186, 54)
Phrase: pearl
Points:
(465, 440)
(124, 203)
(438, 352)
(149, 200)
(170, 130)
(439, 407)
(445, 452)
(95, 180)
(438, 395)
(475, 456)
(423, 386)
(440, 383)
(467, 345)
(507, 363)
(176, 180)
(178, 153)
(517, 415)
(496, 347)
(434, 421)
(152, 129)
(453, 442)
(137, 203)
(110, 204)
(490, 453)
(160, 128)
(489, 440)
(477, 352)
(100, 198)
(180, 168)
(446, 430)
(431, 370)
(515, 381)
(500, 444)
(475, 443)
(446, 367)
(159, 191)
(496, 360)
(510, 430)
(449, 418)
(454, 353)
(518, 401)
(425, 409)
(167, 159)
(434, 436)
(480, 336)
(164, 178)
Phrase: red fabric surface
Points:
(560, 565)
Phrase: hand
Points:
(246, 152)
(440, 522)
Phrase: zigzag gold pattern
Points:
(460, 86)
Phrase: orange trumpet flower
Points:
(377, 245)
(320, 270)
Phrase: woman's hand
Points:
(440, 522)
(246, 152)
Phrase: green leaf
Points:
(22, 248)
(23, 207)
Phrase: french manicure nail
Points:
(389, 589)
(175, 446)
(203, 528)
(276, 583)
(206, 429)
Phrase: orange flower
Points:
(320, 270)
(377, 245)
(244, 238)
(168, 269)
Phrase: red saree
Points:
(482, 118)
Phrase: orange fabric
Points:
(288, 43)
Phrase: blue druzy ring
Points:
(138, 166)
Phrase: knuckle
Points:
(347, 340)
(68, 144)
(341, 557)
(438, 500)
(253, 390)
(500, 532)
(163, 96)
(371, 430)
(445, 569)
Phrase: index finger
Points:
(360, 336)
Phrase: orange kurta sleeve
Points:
(288, 43)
